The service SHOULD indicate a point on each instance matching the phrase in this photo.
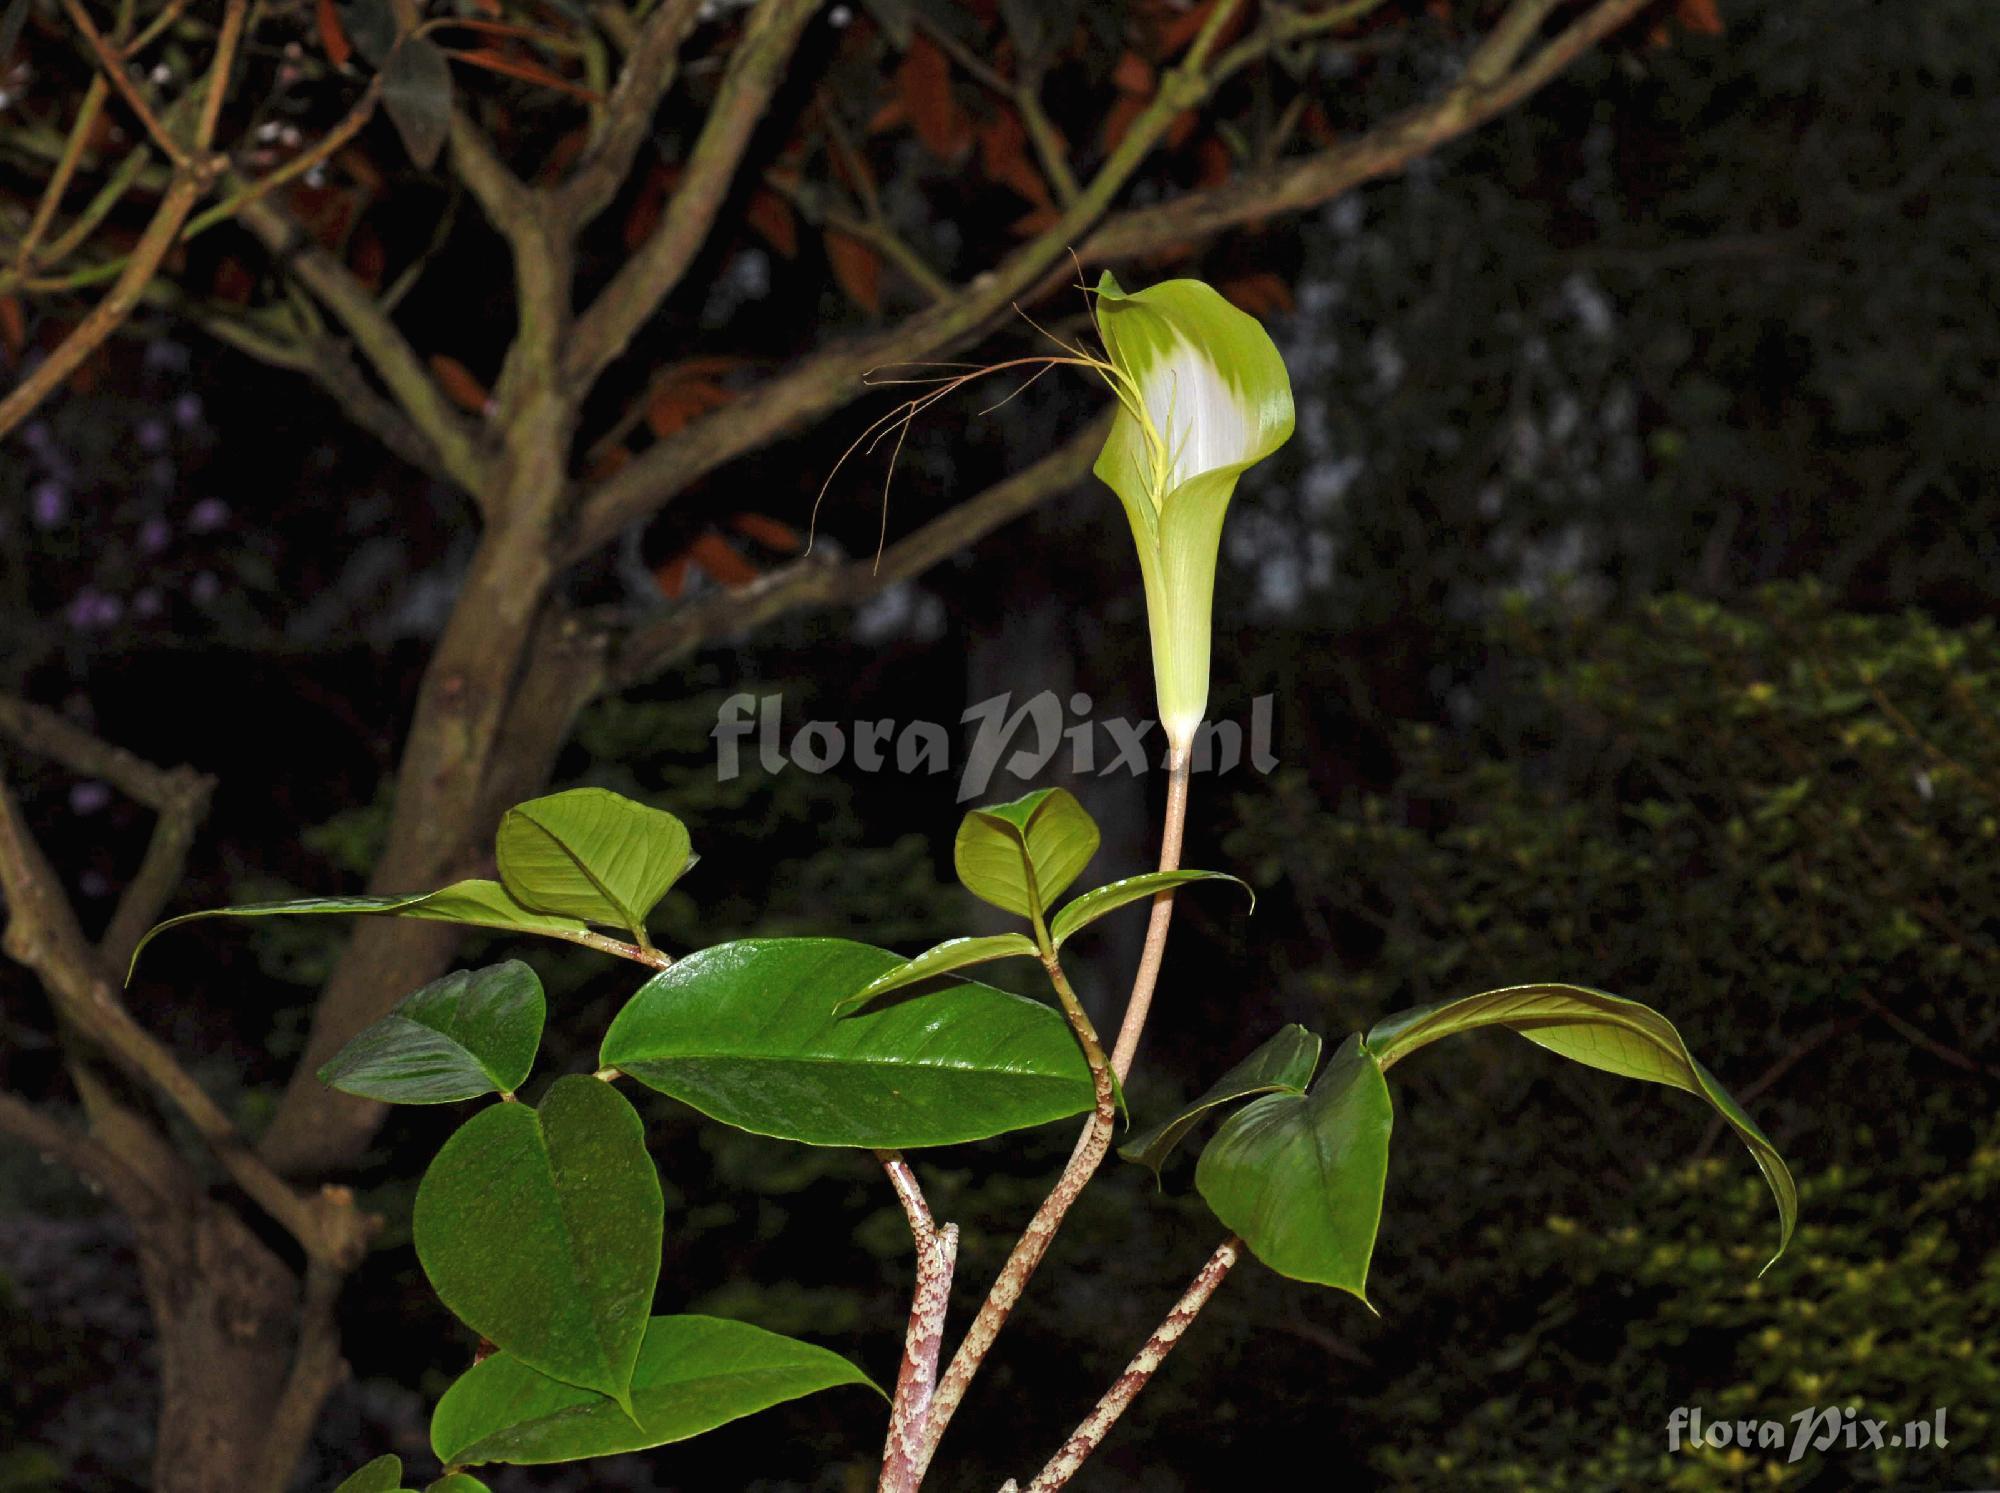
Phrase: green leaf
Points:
(1203, 395)
(745, 1032)
(593, 854)
(458, 1482)
(473, 1032)
(383, 1475)
(540, 1228)
(1600, 1031)
(1300, 1177)
(694, 1374)
(1020, 856)
(476, 904)
(1284, 1064)
(1093, 905)
(416, 95)
(953, 953)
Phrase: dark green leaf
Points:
(694, 1374)
(540, 1228)
(458, 1482)
(593, 854)
(473, 1032)
(476, 904)
(1094, 904)
(745, 1032)
(1020, 856)
(1600, 1031)
(894, 17)
(1284, 1064)
(371, 26)
(383, 1475)
(416, 95)
(955, 953)
(14, 17)
(1300, 1178)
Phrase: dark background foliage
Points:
(1626, 602)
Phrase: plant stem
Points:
(1141, 1000)
(1139, 1372)
(1088, 1155)
(937, 1256)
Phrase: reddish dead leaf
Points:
(364, 171)
(367, 258)
(496, 61)
(646, 208)
(1134, 74)
(1003, 156)
(1699, 16)
(772, 218)
(562, 155)
(768, 532)
(234, 284)
(459, 386)
(678, 402)
(715, 555)
(1174, 35)
(608, 462)
(1121, 118)
(672, 577)
(1181, 129)
(1261, 294)
(1041, 220)
(326, 213)
(923, 83)
(13, 325)
(333, 41)
(1212, 163)
(857, 268)
(886, 118)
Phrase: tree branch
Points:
(814, 583)
(755, 70)
(127, 1189)
(645, 79)
(937, 1254)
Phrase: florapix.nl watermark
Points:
(1043, 730)
(1815, 1429)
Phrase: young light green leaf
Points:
(1020, 856)
(593, 854)
(1203, 395)
(473, 1032)
(1300, 1177)
(953, 953)
(1284, 1064)
(1092, 905)
(540, 1228)
(476, 904)
(383, 1475)
(694, 1374)
(746, 1033)
(1598, 1030)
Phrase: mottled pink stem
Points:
(937, 1255)
(1139, 1372)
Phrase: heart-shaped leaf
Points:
(1094, 904)
(746, 1033)
(1600, 1031)
(540, 1228)
(476, 904)
(1284, 1064)
(593, 854)
(1300, 1177)
(694, 1374)
(953, 953)
(1020, 856)
(383, 1475)
(473, 1032)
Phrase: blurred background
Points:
(1626, 604)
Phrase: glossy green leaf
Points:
(458, 1482)
(1284, 1064)
(383, 1475)
(1300, 1177)
(954, 953)
(694, 1374)
(416, 95)
(1021, 856)
(746, 1033)
(540, 1228)
(473, 1032)
(1600, 1031)
(1108, 898)
(476, 904)
(593, 854)
(1203, 395)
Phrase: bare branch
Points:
(755, 70)
(98, 1164)
(645, 79)
(814, 583)
(937, 1256)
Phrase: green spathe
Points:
(1203, 396)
